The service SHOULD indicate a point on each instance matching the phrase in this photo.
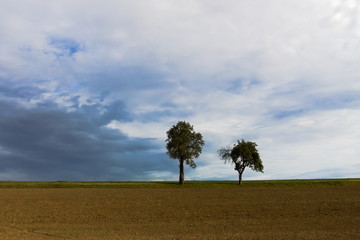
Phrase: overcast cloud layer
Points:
(88, 89)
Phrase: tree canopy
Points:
(243, 154)
(184, 144)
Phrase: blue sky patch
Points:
(289, 113)
(241, 84)
(339, 100)
(65, 46)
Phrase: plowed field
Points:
(181, 213)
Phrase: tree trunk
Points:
(181, 175)
(240, 178)
(241, 171)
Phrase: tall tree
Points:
(243, 154)
(184, 144)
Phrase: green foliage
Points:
(243, 154)
(184, 143)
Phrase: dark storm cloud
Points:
(49, 142)
(23, 92)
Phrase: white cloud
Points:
(161, 176)
(141, 130)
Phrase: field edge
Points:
(188, 184)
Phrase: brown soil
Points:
(175, 213)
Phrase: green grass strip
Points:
(188, 184)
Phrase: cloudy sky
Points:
(88, 88)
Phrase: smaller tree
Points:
(243, 154)
(184, 144)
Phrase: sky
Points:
(88, 88)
